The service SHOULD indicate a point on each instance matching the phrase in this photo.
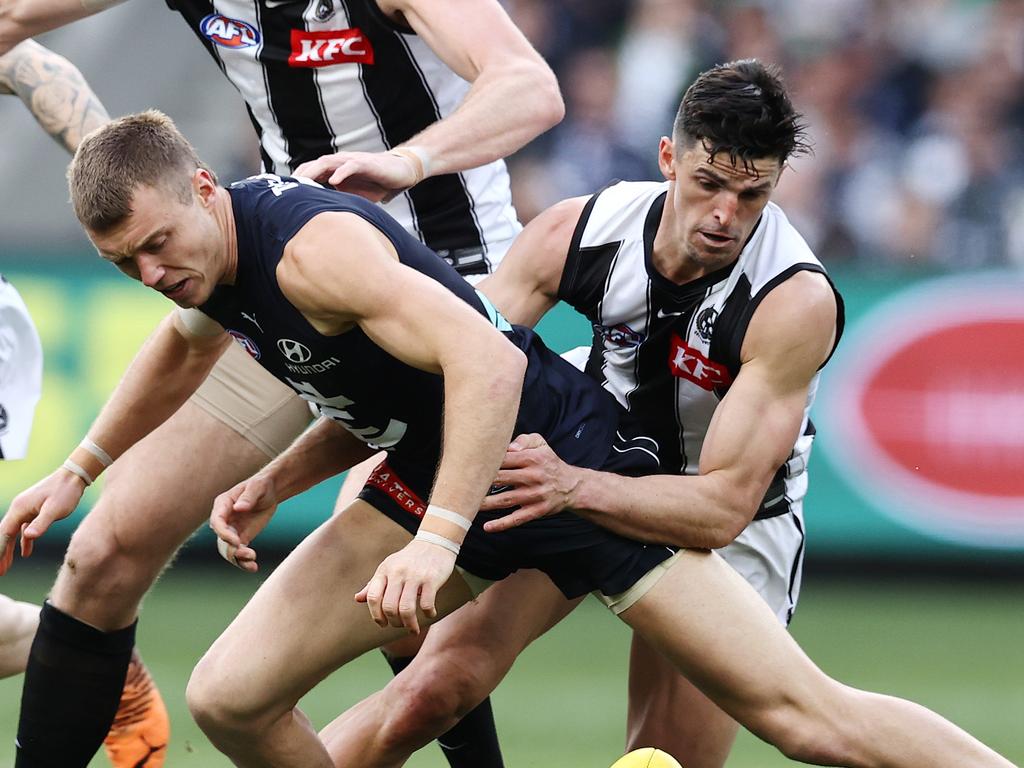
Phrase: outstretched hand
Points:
(239, 515)
(377, 176)
(406, 582)
(540, 484)
(33, 512)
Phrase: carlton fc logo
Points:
(229, 33)
(294, 351)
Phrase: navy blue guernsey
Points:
(381, 400)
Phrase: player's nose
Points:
(725, 207)
(150, 271)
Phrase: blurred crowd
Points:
(915, 108)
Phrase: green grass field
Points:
(959, 649)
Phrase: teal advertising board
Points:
(920, 414)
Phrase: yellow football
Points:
(648, 757)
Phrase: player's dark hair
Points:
(742, 108)
(112, 162)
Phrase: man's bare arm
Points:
(54, 91)
(525, 285)
(22, 19)
(241, 513)
(322, 451)
(337, 288)
(750, 437)
(167, 370)
(513, 98)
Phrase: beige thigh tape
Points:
(240, 393)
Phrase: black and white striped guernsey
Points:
(321, 76)
(669, 352)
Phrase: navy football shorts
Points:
(577, 555)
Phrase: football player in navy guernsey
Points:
(443, 397)
(401, 101)
(712, 319)
(65, 106)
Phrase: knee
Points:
(428, 699)
(91, 561)
(821, 734)
(106, 563)
(96, 562)
(216, 704)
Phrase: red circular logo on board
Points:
(925, 408)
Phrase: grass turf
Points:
(957, 648)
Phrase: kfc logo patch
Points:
(332, 46)
(685, 362)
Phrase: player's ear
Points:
(666, 158)
(203, 185)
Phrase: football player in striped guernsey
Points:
(712, 319)
(405, 102)
(64, 105)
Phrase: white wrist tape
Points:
(447, 514)
(227, 551)
(102, 456)
(74, 469)
(419, 156)
(440, 541)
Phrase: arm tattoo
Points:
(54, 90)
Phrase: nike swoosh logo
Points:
(663, 314)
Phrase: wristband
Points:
(102, 456)
(74, 469)
(440, 541)
(446, 514)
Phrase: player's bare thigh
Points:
(704, 618)
(667, 711)
(463, 659)
(307, 622)
(162, 489)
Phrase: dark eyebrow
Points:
(762, 186)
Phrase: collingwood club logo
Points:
(706, 323)
(294, 351)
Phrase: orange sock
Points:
(138, 738)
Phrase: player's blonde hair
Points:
(112, 162)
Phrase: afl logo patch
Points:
(706, 323)
(229, 33)
(620, 335)
(293, 350)
(246, 343)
